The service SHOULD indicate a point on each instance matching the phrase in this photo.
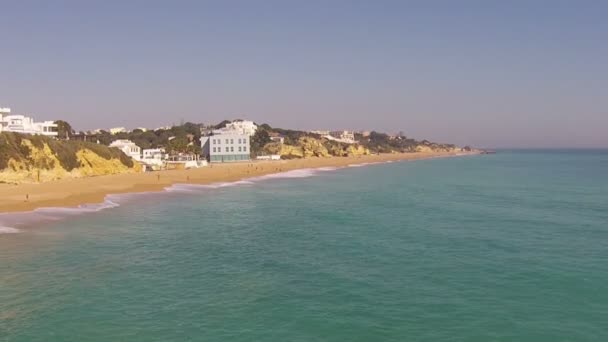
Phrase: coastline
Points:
(75, 192)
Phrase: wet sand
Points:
(76, 191)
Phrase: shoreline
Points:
(78, 192)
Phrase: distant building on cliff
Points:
(347, 137)
(128, 147)
(26, 125)
(242, 127)
(117, 130)
(276, 137)
(321, 133)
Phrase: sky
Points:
(481, 73)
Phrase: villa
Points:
(153, 153)
(242, 127)
(276, 137)
(117, 130)
(128, 147)
(25, 125)
(347, 137)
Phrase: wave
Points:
(8, 230)
(300, 173)
(10, 220)
(363, 164)
(199, 187)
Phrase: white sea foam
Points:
(201, 187)
(114, 200)
(361, 165)
(10, 220)
(328, 168)
(300, 173)
(8, 230)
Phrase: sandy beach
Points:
(74, 192)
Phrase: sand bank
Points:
(78, 191)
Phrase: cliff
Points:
(306, 147)
(27, 159)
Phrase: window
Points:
(232, 141)
(227, 149)
(214, 149)
(239, 148)
(244, 148)
(226, 141)
(232, 149)
(239, 140)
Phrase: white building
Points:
(153, 153)
(231, 146)
(154, 157)
(347, 137)
(269, 157)
(128, 147)
(117, 130)
(321, 133)
(242, 127)
(343, 136)
(25, 125)
(276, 137)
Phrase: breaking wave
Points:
(10, 220)
(199, 187)
(8, 230)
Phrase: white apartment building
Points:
(242, 127)
(128, 147)
(230, 146)
(25, 125)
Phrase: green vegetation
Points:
(183, 138)
(11, 147)
(375, 142)
(260, 139)
(64, 130)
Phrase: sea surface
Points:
(505, 247)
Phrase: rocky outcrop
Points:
(437, 148)
(28, 159)
(307, 147)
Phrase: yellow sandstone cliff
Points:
(26, 159)
(307, 147)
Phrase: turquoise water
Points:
(505, 247)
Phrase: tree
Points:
(64, 130)
(222, 124)
(259, 140)
(177, 145)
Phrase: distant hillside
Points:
(25, 158)
(300, 144)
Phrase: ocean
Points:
(505, 247)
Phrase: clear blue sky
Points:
(486, 73)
